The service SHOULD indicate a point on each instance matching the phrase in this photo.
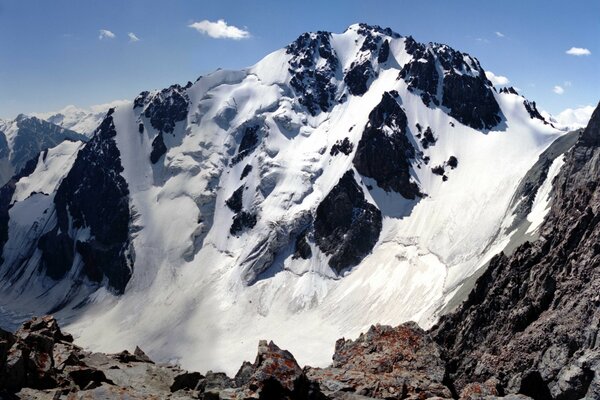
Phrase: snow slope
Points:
(203, 292)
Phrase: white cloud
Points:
(496, 79)
(499, 34)
(574, 118)
(133, 37)
(220, 30)
(558, 89)
(578, 51)
(106, 34)
(482, 40)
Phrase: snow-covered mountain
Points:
(344, 180)
(24, 138)
(82, 120)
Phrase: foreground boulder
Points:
(388, 363)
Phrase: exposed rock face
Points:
(533, 111)
(344, 146)
(93, 195)
(235, 201)
(34, 136)
(383, 155)
(509, 90)
(346, 225)
(165, 108)
(249, 141)
(463, 88)
(391, 363)
(242, 220)
(532, 320)
(158, 148)
(471, 100)
(6, 193)
(313, 66)
(421, 77)
(274, 375)
(537, 174)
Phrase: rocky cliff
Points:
(532, 319)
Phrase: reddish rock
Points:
(274, 374)
(391, 363)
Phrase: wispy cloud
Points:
(106, 34)
(482, 40)
(220, 30)
(558, 89)
(133, 37)
(496, 79)
(578, 51)
(499, 34)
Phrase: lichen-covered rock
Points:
(391, 363)
(275, 374)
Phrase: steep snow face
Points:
(346, 180)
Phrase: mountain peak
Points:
(363, 29)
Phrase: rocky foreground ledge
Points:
(40, 362)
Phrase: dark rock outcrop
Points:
(471, 100)
(421, 77)
(241, 221)
(6, 193)
(427, 138)
(165, 108)
(186, 381)
(93, 195)
(375, 49)
(533, 111)
(386, 157)
(346, 226)
(359, 76)
(248, 143)
(275, 374)
(344, 146)
(302, 248)
(532, 320)
(462, 88)
(158, 148)
(235, 201)
(509, 90)
(247, 169)
(314, 86)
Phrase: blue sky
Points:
(51, 54)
